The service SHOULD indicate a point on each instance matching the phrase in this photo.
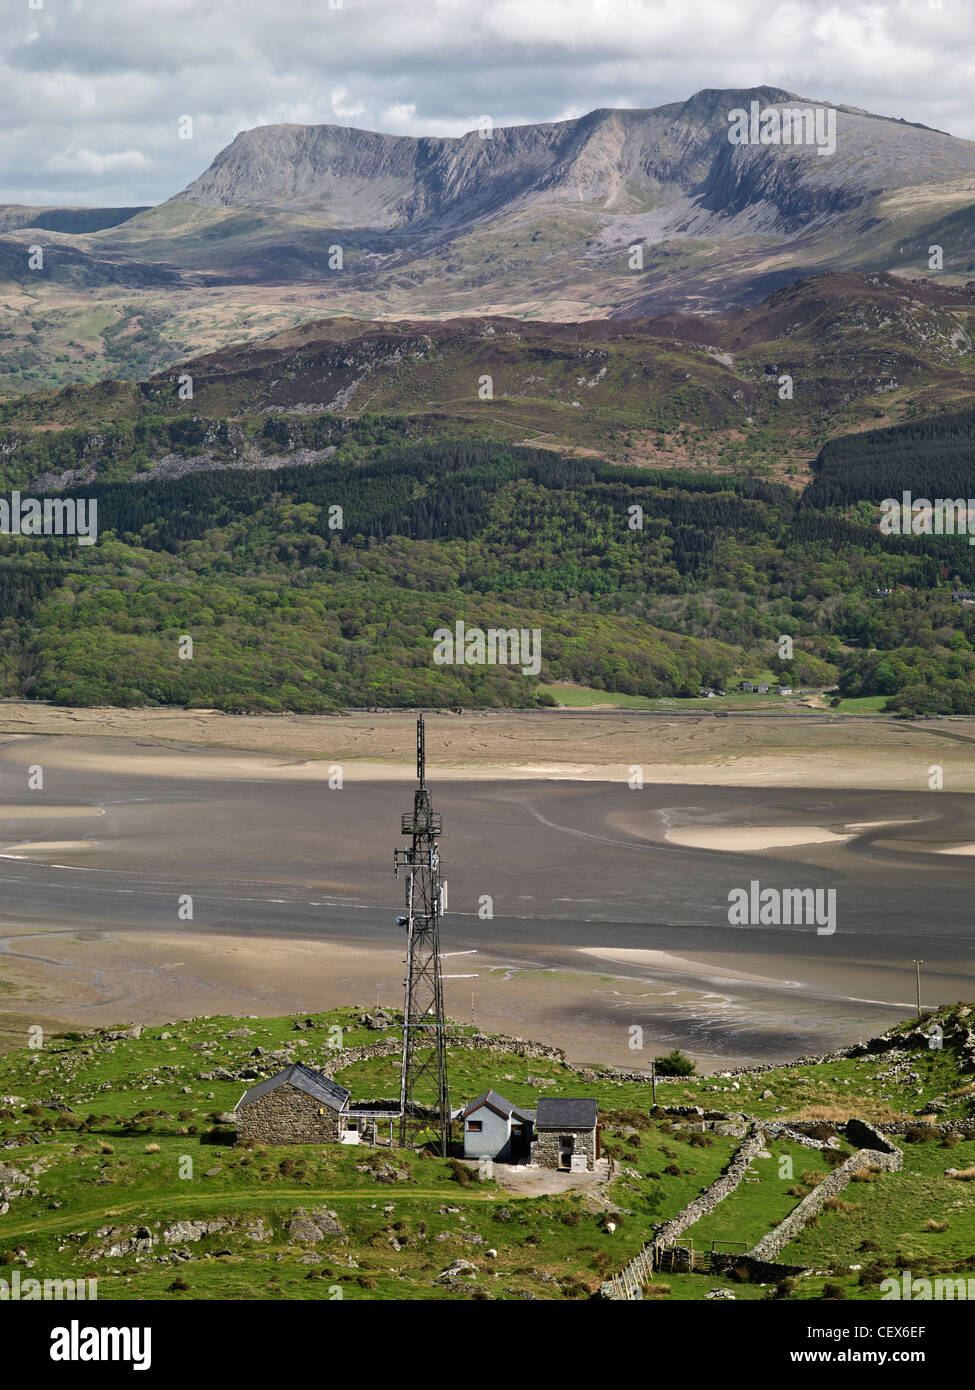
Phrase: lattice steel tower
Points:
(424, 1066)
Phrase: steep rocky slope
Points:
(534, 221)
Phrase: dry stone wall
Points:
(777, 1130)
(720, 1189)
(629, 1282)
(936, 1129)
(390, 1047)
(875, 1151)
(759, 1271)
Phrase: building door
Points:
(566, 1147)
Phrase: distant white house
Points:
(494, 1128)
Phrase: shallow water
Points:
(567, 867)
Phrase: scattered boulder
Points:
(309, 1230)
(384, 1172)
(327, 1222)
(303, 1229)
(119, 1244)
(380, 1019)
(183, 1231)
(460, 1269)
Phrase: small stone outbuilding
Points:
(297, 1106)
(567, 1129)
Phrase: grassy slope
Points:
(586, 697)
(898, 1226)
(127, 1094)
(755, 1207)
(641, 394)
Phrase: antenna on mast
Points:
(423, 1072)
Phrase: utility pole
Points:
(917, 966)
(424, 1059)
(653, 1080)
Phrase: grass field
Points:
(863, 704)
(892, 1213)
(584, 697)
(766, 1196)
(107, 1142)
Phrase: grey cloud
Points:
(84, 85)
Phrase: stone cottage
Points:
(494, 1128)
(567, 1130)
(297, 1106)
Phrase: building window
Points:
(474, 1126)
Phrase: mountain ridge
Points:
(629, 213)
(626, 158)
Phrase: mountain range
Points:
(294, 222)
(766, 384)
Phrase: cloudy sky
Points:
(92, 91)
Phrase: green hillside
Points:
(332, 497)
(641, 583)
(115, 1163)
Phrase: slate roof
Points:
(313, 1083)
(562, 1112)
(498, 1103)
